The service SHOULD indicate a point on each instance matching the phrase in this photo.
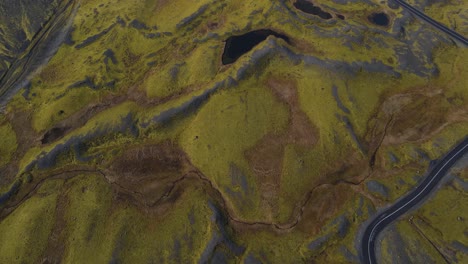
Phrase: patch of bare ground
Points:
(301, 131)
(130, 59)
(418, 119)
(211, 26)
(266, 157)
(265, 161)
(326, 201)
(161, 4)
(55, 244)
(305, 47)
(148, 172)
(414, 116)
(420, 115)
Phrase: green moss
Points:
(88, 226)
(321, 108)
(449, 13)
(416, 246)
(25, 232)
(177, 236)
(100, 230)
(54, 111)
(385, 255)
(8, 143)
(446, 207)
(274, 248)
(169, 14)
(401, 183)
(189, 74)
(230, 123)
(108, 118)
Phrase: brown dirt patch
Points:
(149, 161)
(160, 5)
(130, 59)
(301, 131)
(284, 89)
(147, 173)
(56, 246)
(418, 118)
(266, 157)
(417, 115)
(50, 73)
(266, 160)
(325, 203)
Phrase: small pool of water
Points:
(237, 46)
(54, 134)
(380, 19)
(310, 8)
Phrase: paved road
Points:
(436, 173)
(432, 22)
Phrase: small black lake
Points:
(380, 19)
(310, 8)
(237, 46)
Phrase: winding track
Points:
(436, 173)
(433, 23)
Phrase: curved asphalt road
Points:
(436, 173)
(432, 22)
(434, 176)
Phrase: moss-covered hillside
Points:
(124, 137)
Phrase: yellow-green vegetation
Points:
(231, 123)
(177, 236)
(407, 245)
(87, 216)
(276, 248)
(268, 158)
(445, 214)
(184, 74)
(8, 143)
(416, 246)
(444, 13)
(56, 110)
(126, 234)
(25, 231)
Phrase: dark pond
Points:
(54, 134)
(340, 16)
(310, 8)
(237, 46)
(380, 19)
